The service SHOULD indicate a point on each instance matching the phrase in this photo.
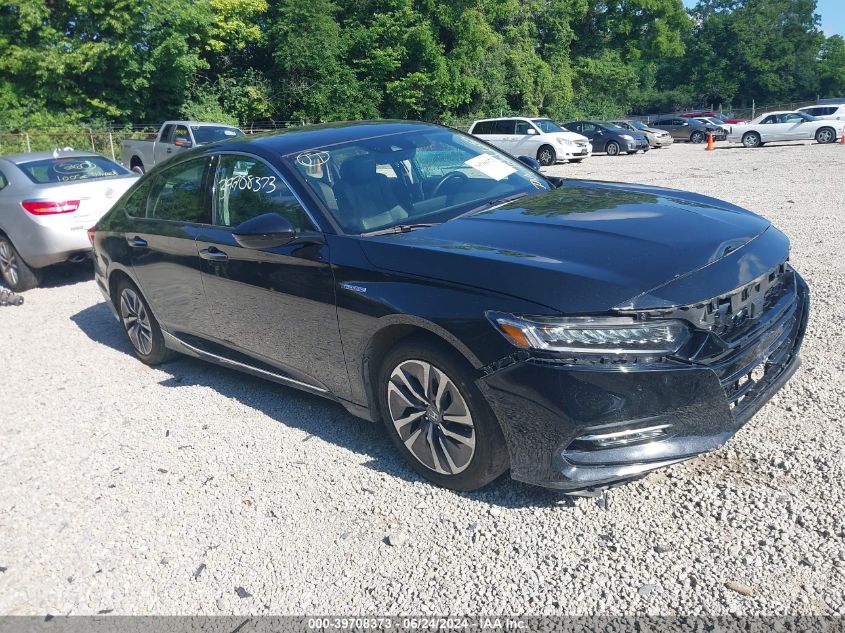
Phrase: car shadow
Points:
(317, 417)
(66, 275)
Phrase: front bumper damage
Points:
(586, 426)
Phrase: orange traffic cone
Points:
(710, 145)
(842, 140)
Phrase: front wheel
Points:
(16, 273)
(826, 135)
(751, 139)
(140, 325)
(697, 137)
(438, 419)
(612, 148)
(546, 155)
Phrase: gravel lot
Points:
(193, 489)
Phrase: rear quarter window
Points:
(58, 170)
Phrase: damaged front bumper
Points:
(582, 427)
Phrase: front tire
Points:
(697, 137)
(825, 135)
(437, 418)
(612, 148)
(751, 140)
(140, 325)
(16, 273)
(546, 155)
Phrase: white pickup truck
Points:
(174, 136)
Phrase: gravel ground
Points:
(193, 489)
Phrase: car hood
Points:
(569, 136)
(584, 247)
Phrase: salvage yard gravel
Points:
(192, 489)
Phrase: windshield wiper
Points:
(495, 202)
(399, 228)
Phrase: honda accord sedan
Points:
(578, 334)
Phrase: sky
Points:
(832, 13)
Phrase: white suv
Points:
(542, 139)
(835, 111)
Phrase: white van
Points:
(835, 111)
(542, 139)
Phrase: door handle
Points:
(169, 150)
(136, 242)
(213, 255)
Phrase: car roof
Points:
(298, 139)
(824, 105)
(28, 157)
(511, 118)
(199, 123)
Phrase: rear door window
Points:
(177, 193)
(506, 126)
(483, 127)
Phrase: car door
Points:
(276, 305)
(165, 214)
(797, 128)
(772, 128)
(591, 131)
(527, 139)
(164, 147)
(504, 135)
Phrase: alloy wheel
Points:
(825, 136)
(545, 157)
(136, 321)
(697, 137)
(8, 263)
(431, 417)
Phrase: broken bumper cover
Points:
(584, 427)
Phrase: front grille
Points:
(750, 336)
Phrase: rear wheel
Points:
(16, 273)
(438, 419)
(751, 139)
(137, 166)
(612, 148)
(826, 135)
(140, 325)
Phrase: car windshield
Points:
(204, 134)
(425, 176)
(546, 125)
(637, 124)
(71, 169)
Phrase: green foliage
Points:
(67, 62)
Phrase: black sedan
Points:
(577, 333)
(610, 139)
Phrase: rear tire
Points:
(138, 167)
(546, 155)
(140, 325)
(825, 135)
(437, 418)
(16, 273)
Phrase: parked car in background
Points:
(656, 138)
(173, 136)
(608, 138)
(577, 333)
(785, 126)
(714, 115)
(48, 201)
(829, 111)
(539, 138)
(721, 126)
(686, 129)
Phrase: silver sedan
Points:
(48, 201)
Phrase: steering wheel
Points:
(452, 175)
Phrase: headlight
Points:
(607, 335)
(626, 137)
(564, 141)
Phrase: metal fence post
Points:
(28, 144)
(111, 145)
(91, 136)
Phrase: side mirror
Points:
(182, 142)
(531, 131)
(533, 163)
(264, 231)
